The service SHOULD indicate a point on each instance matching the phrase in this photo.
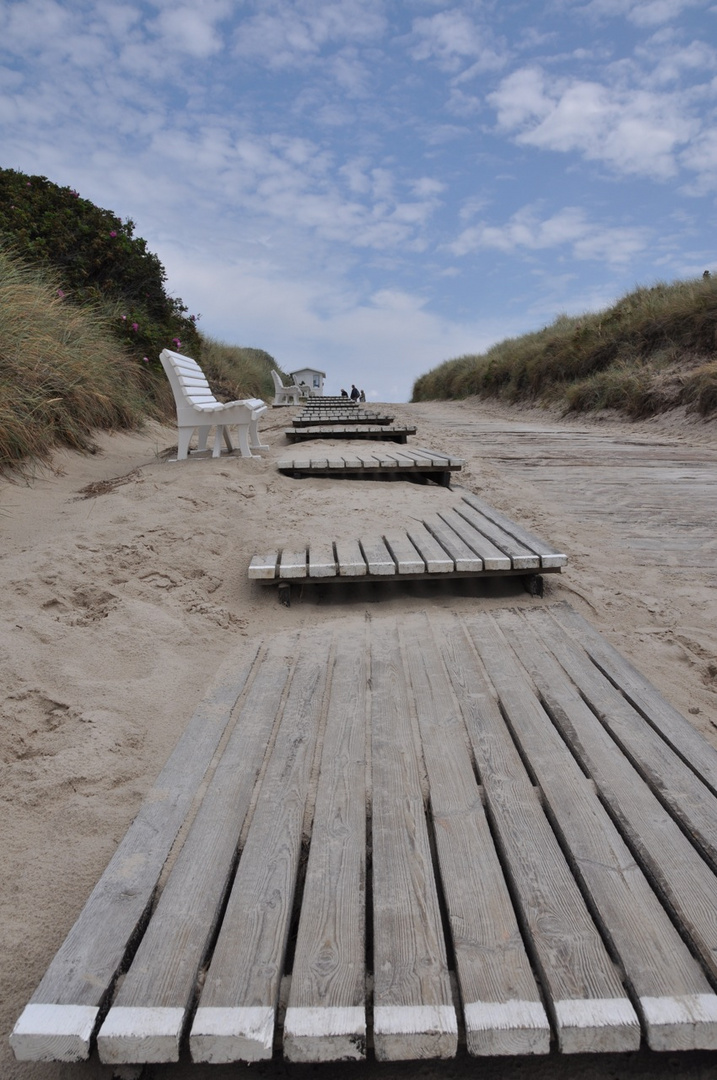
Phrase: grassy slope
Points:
(64, 374)
(653, 350)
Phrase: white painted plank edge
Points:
(589, 1025)
(146, 1034)
(549, 555)
(228, 1035)
(263, 567)
(490, 1025)
(688, 1021)
(325, 1033)
(493, 558)
(53, 1032)
(407, 558)
(435, 558)
(322, 560)
(350, 559)
(408, 1032)
(378, 557)
(293, 564)
(464, 558)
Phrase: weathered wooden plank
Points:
(435, 558)
(676, 870)
(326, 1013)
(350, 558)
(293, 564)
(234, 1020)
(502, 1007)
(590, 1009)
(521, 557)
(59, 1020)
(378, 558)
(263, 567)
(322, 560)
(684, 794)
(641, 693)
(148, 1015)
(491, 556)
(464, 558)
(657, 964)
(352, 431)
(454, 462)
(407, 558)
(413, 1013)
(549, 555)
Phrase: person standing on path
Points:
(355, 393)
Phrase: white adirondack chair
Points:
(284, 395)
(198, 409)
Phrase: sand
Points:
(124, 586)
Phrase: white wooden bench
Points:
(284, 395)
(198, 409)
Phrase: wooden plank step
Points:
(538, 851)
(236, 1012)
(590, 1007)
(549, 556)
(521, 556)
(326, 1011)
(657, 963)
(352, 431)
(413, 1011)
(376, 419)
(503, 1009)
(149, 1013)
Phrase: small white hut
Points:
(310, 377)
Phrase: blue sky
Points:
(371, 187)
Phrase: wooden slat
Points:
(435, 558)
(378, 558)
(657, 964)
(521, 556)
(322, 560)
(549, 555)
(293, 564)
(589, 1006)
(503, 1011)
(350, 558)
(59, 1020)
(235, 1017)
(464, 558)
(326, 1013)
(407, 558)
(491, 556)
(149, 1013)
(413, 1012)
(675, 868)
(264, 567)
(641, 693)
(454, 462)
(675, 784)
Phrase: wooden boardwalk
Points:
(401, 464)
(352, 430)
(473, 539)
(485, 828)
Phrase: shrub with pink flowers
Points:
(97, 258)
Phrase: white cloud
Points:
(568, 228)
(643, 13)
(290, 33)
(453, 40)
(628, 129)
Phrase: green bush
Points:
(96, 258)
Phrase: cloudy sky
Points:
(371, 187)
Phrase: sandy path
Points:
(118, 609)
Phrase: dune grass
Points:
(64, 374)
(653, 350)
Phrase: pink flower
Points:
(60, 294)
(113, 234)
(176, 341)
(124, 317)
(146, 359)
(135, 326)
